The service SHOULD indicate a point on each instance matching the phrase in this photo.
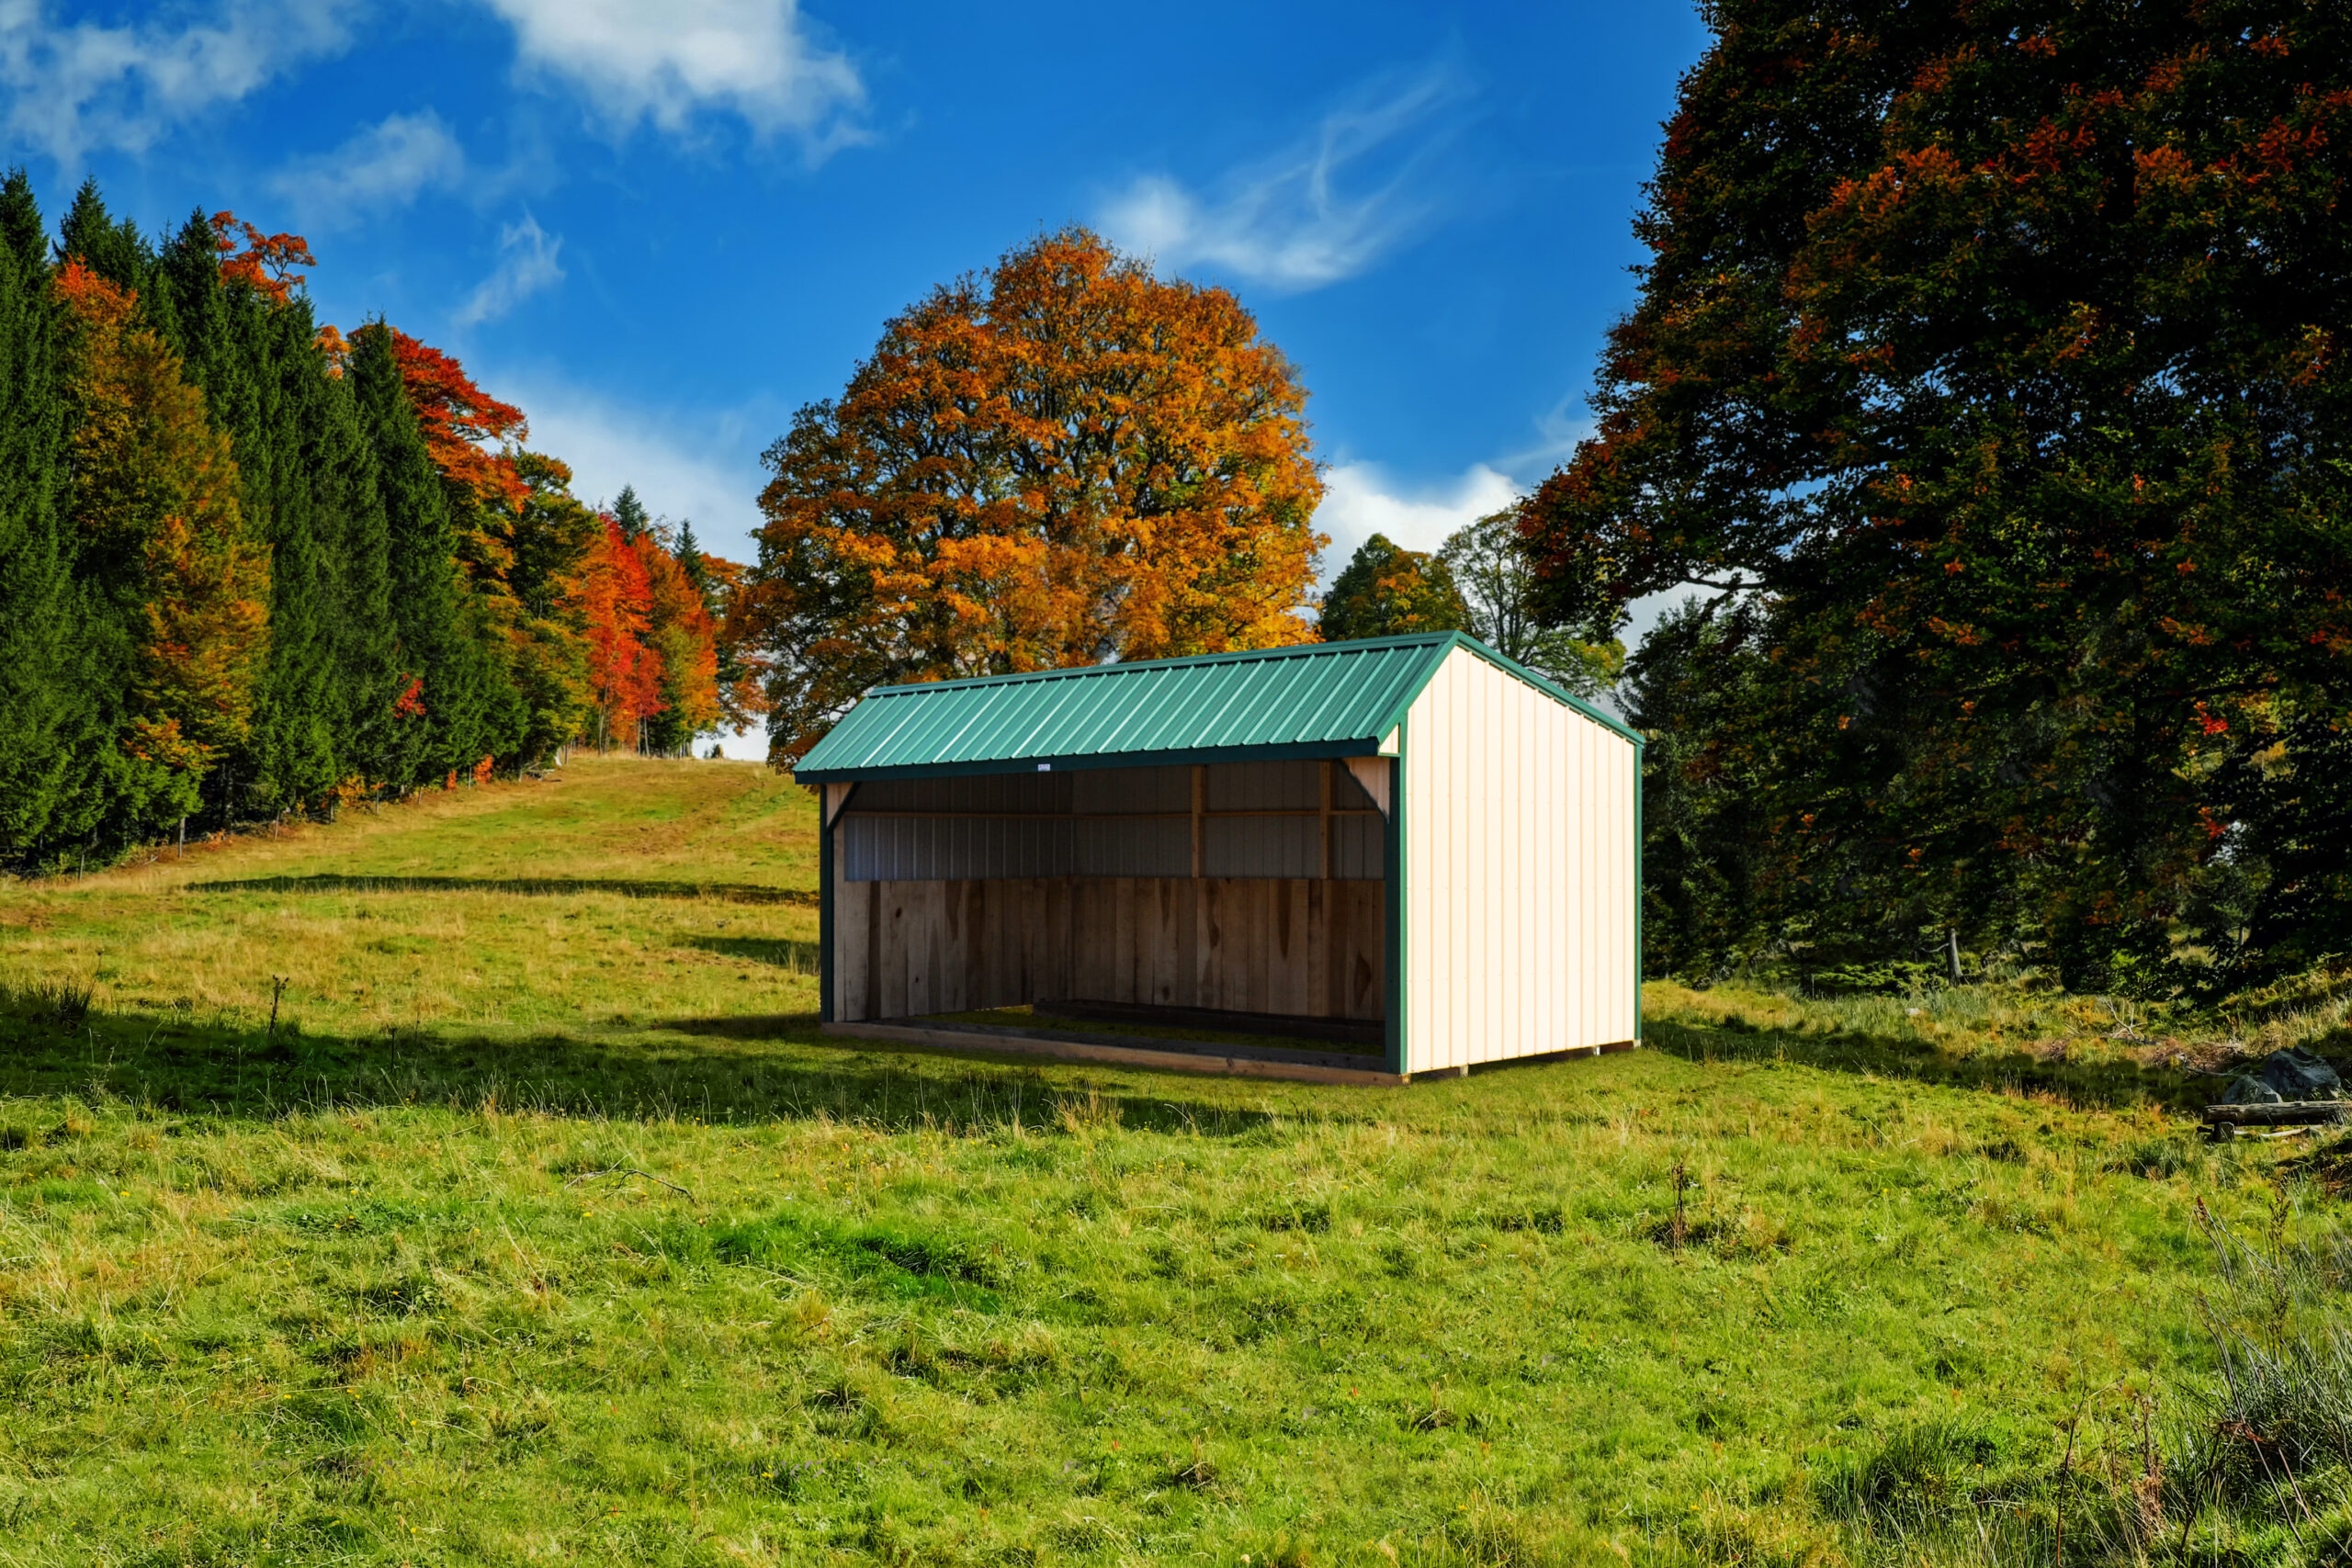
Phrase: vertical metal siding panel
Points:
(1553, 802)
(1467, 880)
(1593, 869)
(1596, 985)
(1483, 894)
(1454, 836)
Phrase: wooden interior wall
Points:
(1308, 948)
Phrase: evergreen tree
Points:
(354, 535)
(20, 227)
(116, 251)
(45, 719)
(629, 515)
(443, 667)
(1385, 591)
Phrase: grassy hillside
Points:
(544, 1228)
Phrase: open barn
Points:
(1362, 860)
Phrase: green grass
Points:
(546, 1229)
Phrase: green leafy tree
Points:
(1386, 590)
(1489, 565)
(1996, 354)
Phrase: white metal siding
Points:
(1520, 893)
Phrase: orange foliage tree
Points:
(684, 638)
(1062, 461)
(267, 262)
(154, 499)
(624, 675)
(454, 416)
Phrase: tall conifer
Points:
(441, 668)
(44, 717)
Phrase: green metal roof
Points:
(1323, 699)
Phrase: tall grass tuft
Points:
(2281, 1406)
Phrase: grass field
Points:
(544, 1228)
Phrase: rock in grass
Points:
(2248, 1090)
(2295, 1074)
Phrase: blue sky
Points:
(662, 225)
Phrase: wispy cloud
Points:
(1324, 210)
(1361, 500)
(71, 89)
(386, 165)
(527, 266)
(668, 61)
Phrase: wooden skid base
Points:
(1206, 1059)
(1174, 1056)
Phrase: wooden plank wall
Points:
(1308, 948)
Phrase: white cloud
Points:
(527, 266)
(704, 465)
(1290, 223)
(72, 89)
(1360, 501)
(666, 60)
(386, 165)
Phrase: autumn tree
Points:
(153, 501)
(1992, 355)
(549, 541)
(683, 638)
(1060, 461)
(624, 673)
(1388, 591)
(739, 673)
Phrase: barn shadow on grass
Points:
(2106, 1085)
(529, 887)
(748, 1070)
(791, 954)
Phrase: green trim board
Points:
(824, 914)
(1399, 1036)
(1314, 700)
(1640, 894)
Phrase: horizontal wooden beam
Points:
(1117, 815)
(1140, 1054)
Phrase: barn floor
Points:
(1271, 1046)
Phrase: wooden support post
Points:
(1326, 772)
(1200, 811)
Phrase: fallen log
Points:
(2222, 1120)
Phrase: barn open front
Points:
(1216, 909)
(1357, 862)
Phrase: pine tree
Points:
(356, 537)
(116, 251)
(45, 719)
(629, 515)
(442, 666)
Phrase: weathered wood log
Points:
(2281, 1113)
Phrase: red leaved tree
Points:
(624, 675)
